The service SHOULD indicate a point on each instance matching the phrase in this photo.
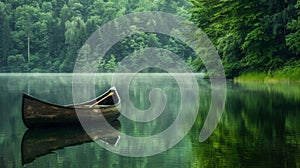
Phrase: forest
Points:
(258, 36)
(45, 36)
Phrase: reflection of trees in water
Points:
(260, 128)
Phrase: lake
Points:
(260, 125)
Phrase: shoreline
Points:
(267, 78)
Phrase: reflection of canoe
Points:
(42, 141)
(37, 113)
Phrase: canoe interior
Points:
(108, 101)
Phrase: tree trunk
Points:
(28, 48)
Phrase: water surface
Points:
(260, 126)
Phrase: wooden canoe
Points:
(38, 113)
(37, 142)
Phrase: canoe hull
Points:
(36, 113)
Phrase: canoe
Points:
(38, 142)
(38, 113)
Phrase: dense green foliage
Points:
(251, 36)
(45, 36)
(257, 35)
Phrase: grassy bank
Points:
(289, 73)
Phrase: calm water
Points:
(260, 126)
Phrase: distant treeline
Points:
(256, 35)
(45, 36)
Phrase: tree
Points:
(111, 64)
(25, 17)
(293, 39)
(74, 38)
(16, 62)
(5, 31)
